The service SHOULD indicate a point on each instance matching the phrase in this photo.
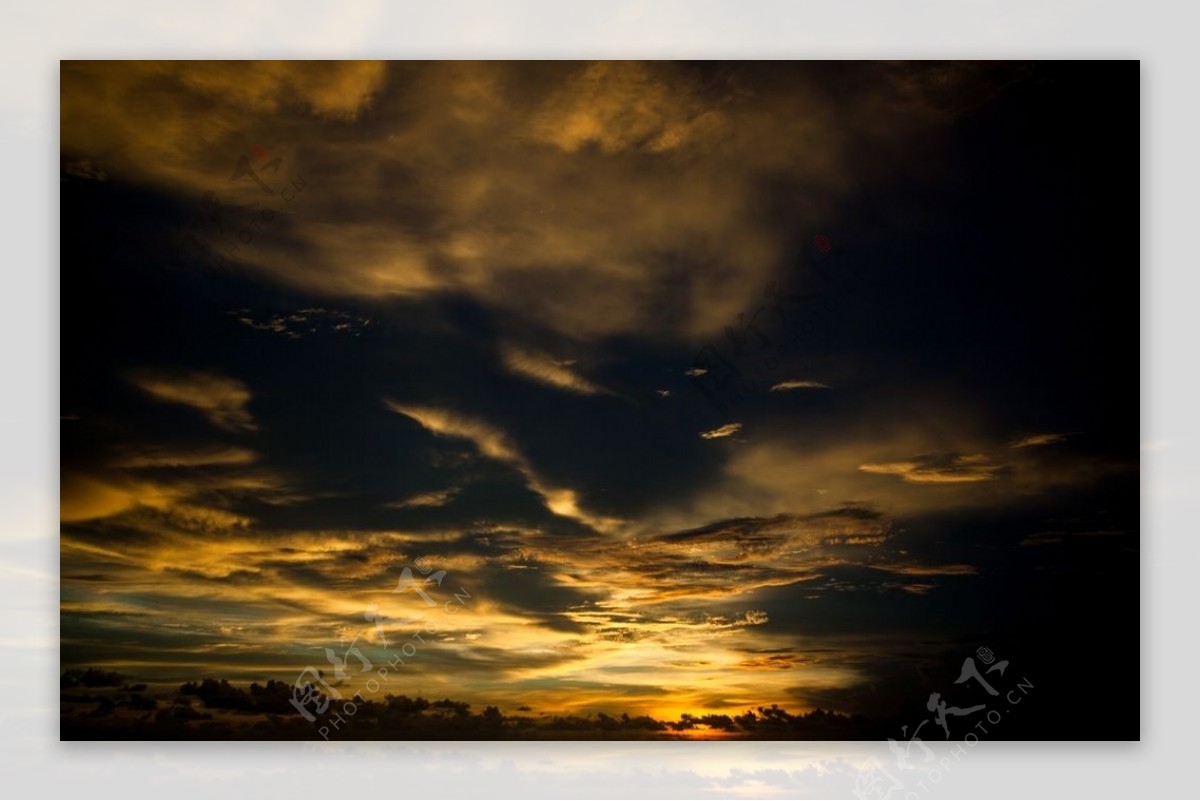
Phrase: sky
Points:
(631, 387)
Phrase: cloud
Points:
(175, 494)
(180, 457)
(544, 370)
(84, 169)
(497, 445)
(754, 617)
(629, 618)
(1056, 537)
(930, 469)
(622, 106)
(669, 582)
(304, 322)
(727, 430)
(222, 400)
(783, 386)
(491, 441)
(909, 569)
(157, 117)
(592, 199)
(84, 497)
(427, 499)
(146, 506)
(1033, 440)
(940, 461)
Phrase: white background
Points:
(35, 35)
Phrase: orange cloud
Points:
(219, 398)
(727, 430)
(954, 470)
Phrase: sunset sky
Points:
(708, 385)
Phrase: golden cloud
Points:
(1033, 440)
(543, 369)
(623, 192)
(193, 457)
(727, 430)
(222, 400)
(784, 386)
(495, 444)
(954, 469)
(427, 499)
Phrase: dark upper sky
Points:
(714, 385)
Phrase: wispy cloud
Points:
(912, 569)
(784, 386)
(1055, 537)
(427, 499)
(496, 444)
(304, 322)
(221, 399)
(186, 457)
(544, 370)
(929, 469)
(184, 497)
(727, 430)
(1033, 440)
